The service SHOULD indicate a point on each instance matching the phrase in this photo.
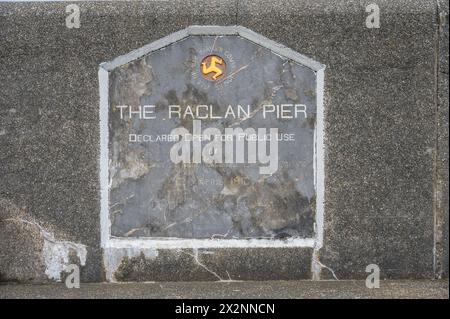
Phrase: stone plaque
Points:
(211, 133)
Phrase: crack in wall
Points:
(317, 266)
(198, 262)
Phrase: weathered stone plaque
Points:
(211, 135)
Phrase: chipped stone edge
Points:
(113, 248)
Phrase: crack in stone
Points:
(316, 271)
(198, 262)
(213, 236)
(46, 235)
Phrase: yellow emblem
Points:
(213, 67)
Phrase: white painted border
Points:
(319, 172)
(178, 243)
(105, 223)
(175, 243)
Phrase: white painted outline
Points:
(178, 243)
(319, 172)
(105, 223)
(107, 241)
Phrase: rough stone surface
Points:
(381, 122)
